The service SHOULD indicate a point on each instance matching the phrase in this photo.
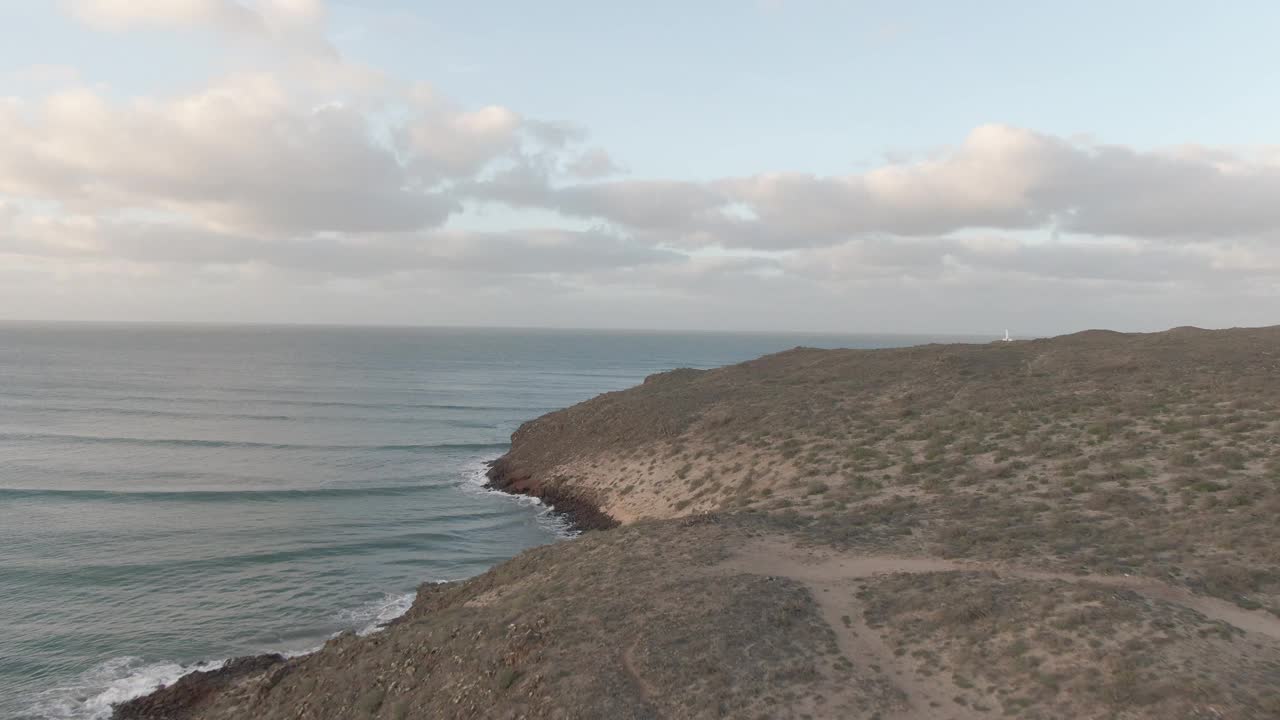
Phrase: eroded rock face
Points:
(185, 697)
(576, 505)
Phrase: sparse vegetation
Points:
(1080, 489)
(1148, 454)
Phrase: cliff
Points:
(1081, 526)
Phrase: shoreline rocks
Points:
(188, 692)
(575, 506)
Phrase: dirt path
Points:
(917, 696)
(1251, 621)
(777, 557)
(647, 690)
(828, 578)
(829, 575)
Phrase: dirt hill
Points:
(1084, 526)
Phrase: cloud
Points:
(342, 193)
(254, 176)
(1000, 177)
(237, 155)
(449, 143)
(636, 204)
(591, 165)
(264, 17)
(933, 259)
(256, 153)
(293, 27)
(125, 14)
(526, 252)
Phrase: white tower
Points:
(1006, 336)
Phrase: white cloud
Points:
(241, 154)
(321, 186)
(258, 153)
(999, 177)
(637, 204)
(125, 14)
(450, 143)
(262, 17)
(592, 164)
(529, 251)
(293, 27)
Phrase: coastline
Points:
(194, 687)
(925, 532)
(188, 690)
(580, 511)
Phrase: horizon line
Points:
(564, 328)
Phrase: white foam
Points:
(93, 694)
(373, 616)
(290, 654)
(475, 479)
(114, 681)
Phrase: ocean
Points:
(171, 496)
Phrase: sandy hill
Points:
(1082, 526)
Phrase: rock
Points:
(178, 700)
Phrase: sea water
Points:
(173, 496)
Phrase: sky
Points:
(915, 167)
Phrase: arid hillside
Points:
(1151, 454)
(1079, 527)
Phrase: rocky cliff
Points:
(1081, 526)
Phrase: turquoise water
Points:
(176, 495)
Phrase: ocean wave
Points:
(416, 418)
(476, 481)
(147, 412)
(375, 614)
(92, 696)
(129, 574)
(42, 396)
(95, 692)
(221, 444)
(229, 496)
